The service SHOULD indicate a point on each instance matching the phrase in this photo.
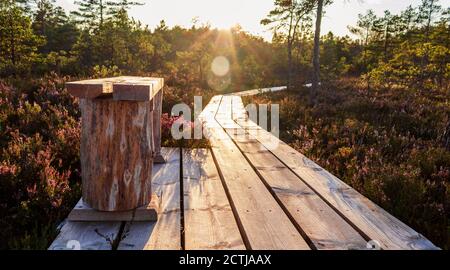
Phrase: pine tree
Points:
(316, 50)
(91, 14)
(121, 5)
(387, 28)
(41, 21)
(427, 10)
(55, 26)
(286, 18)
(408, 18)
(365, 29)
(18, 43)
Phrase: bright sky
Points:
(248, 13)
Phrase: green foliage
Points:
(286, 20)
(52, 23)
(91, 13)
(102, 37)
(18, 42)
(420, 65)
(336, 56)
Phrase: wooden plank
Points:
(257, 91)
(127, 88)
(166, 232)
(262, 220)
(138, 88)
(373, 221)
(90, 88)
(322, 225)
(86, 235)
(83, 212)
(208, 219)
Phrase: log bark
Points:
(116, 153)
(157, 110)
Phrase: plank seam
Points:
(182, 232)
(118, 239)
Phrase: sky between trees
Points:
(248, 13)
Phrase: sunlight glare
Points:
(220, 66)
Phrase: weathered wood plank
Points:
(82, 212)
(257, 91)
(322, 225)
(137, 89)
(208, 219)
(265, 224)
(166, 232)
(376, 223)
(88, 235)
(90, 88)
(124, 88)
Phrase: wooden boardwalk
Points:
(244, 193)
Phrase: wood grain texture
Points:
(265, 224)
(137, 89)
(166, 232)
(208, 219)
(90, 88)
(321, 224)
(89, 235)
(121, 88)
(116, 153)
(373, 221)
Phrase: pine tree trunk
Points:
(289, 50)
(101, 13)
(12, 41)
(386, 44)
(427, 30)
(316, 61)
(289, 79)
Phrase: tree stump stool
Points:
(120, 140)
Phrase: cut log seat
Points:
(120, 138)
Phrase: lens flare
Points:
(220, 66)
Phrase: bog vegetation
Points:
(380, 119)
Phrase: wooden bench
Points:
(120, 138)
(245, 194)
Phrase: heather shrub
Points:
(39, 161)
(187, 127)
